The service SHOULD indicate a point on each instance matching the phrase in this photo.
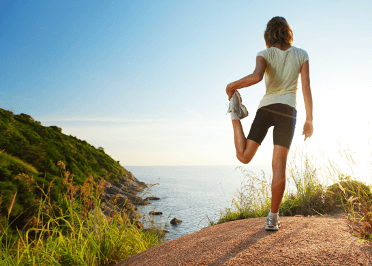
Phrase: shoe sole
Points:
(239, 97)
(243, 112)
(272, 227)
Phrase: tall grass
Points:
(311, 197)
(74, 233)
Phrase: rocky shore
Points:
(121, 197)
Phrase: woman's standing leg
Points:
(278, 184)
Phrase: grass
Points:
(74, 233)
(7, 160)
(311, 197)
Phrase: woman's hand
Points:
(308, 129)
(229, 91)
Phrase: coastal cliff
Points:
(34, 156)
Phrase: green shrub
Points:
(340, 192)
(313, 203)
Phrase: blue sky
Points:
(146, 79)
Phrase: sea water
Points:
(193, 194)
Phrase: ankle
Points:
(273, 214)
(234, 116)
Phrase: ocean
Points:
(192, 194)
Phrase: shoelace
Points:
(271, 220)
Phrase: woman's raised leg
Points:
(278, 184)
(245, 148)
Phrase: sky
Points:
(146, 80)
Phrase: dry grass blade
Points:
(343, 190)
(11, 204)
(351, 199)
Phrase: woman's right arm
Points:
(308, 99)
(249, 80)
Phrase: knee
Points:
(243, 159)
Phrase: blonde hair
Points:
(278, 32)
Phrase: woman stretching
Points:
(281, 63)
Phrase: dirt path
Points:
(300, 241)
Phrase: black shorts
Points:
(282, 117)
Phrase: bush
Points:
(340, 192)
(313, 203)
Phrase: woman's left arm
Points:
(308, 99)
(249, 80)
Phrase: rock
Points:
(175, 221)
(152, 198)
(135, 199)
(121, 200)
(155, 213)
(119, 185)
(132, 183)
(113, 190)
(139, 225)
(109, 209)
(123, 193)
(105, 197)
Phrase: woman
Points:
(281, 63)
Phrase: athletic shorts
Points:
(282, 117)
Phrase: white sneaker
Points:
(236, 106)
(272, 223)
(243, 112)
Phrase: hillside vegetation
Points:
(34, 150)
(64, 202)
